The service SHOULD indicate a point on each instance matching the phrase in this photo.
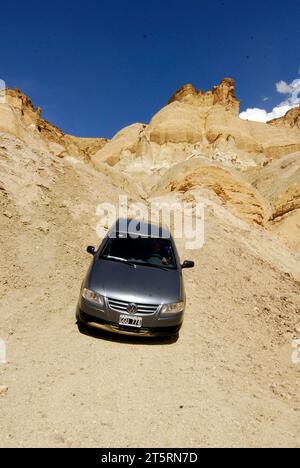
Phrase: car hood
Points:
(141, 284)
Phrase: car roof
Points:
(131, 226)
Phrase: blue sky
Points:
(97, 66)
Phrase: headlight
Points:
(168, 309)
(92, 296)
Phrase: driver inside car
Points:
(157, 256)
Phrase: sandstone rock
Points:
(222, 94)
(19, 117)
(251, 137)
(283, 191)
(227, 186)
(179, 122)
(123, 145)
(205, 122)
(290, 120)
(279, 184)
(184, 93)
(197, 133)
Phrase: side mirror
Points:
(188, 264)
(91, 250)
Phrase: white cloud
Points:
(292, 90)
(283, 88)
(261, 115)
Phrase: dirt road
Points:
(229, 379)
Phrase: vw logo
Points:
(132, 308)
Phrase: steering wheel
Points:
(157, 259)
(155, 255)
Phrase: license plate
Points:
(130, 321)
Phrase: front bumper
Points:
(92, 320)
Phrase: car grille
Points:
(121, 306)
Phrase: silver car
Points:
(134, 285)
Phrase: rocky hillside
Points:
(222, 94)
(195, 124)
(233, 358)
(290, 120)
(20, 118)
(195, 143)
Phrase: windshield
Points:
(146, 251)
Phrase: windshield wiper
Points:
(123, 260)
(117, 259)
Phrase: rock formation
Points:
(290, 120)
(196, 144)
(222, 94)
(19, 117)
(204, 124)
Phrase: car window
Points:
(141, 250)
